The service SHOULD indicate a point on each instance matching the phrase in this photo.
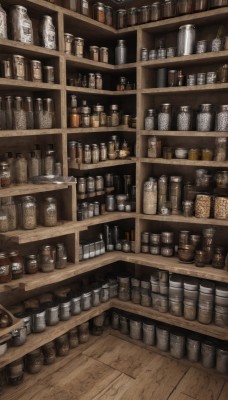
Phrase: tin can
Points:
(36, 71)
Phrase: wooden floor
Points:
(111, 368)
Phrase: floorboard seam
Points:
(107, 365)
(177, 384)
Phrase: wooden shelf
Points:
(19, 190)
(81, 62)
(36, 340)
(148, 312)
(89, 91)
(103, 164)
(194, 59)
(183, 133)
(40, 233)
(28, 132)
(22, 85)
(187, 89)
(7, 45)
(120, 128)
(104, 218)
(190, 163)
(181, 219)
(172, 264)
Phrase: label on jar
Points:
(4, 270)
(20, 71)
(2, 26)
(26, 32)
(36, 72)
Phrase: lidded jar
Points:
(184, 7)
(10, 208)
(3, 23)
(150, 197)
(50, 212)
(20, 25)
(221, 118)
(144, 14)
(132, 16)
(168, 9)
(99, 12)
(28, 212)
(186, 40)
(164, 117)
(68, 40)
(204, 121)
(5, 175)
(16, 264)
(121, 18)
(184, 118)
(150, 119)
(5, 270)
(47, 33)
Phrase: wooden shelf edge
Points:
(18, 190)
(103, 164)
(104, 218)
(120, 128)
(183, 133)
(24, 84)
(186, 89)
(149, 312)
(37, 340)
(102, 92)
(190, 163)
(29, 132)
(182, 219)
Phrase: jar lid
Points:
(50, 199)
(68, 35)
(94, 47)
(3, 254)
(207, 287)
(98, 108)
(176, 179)
(185, 108)
(221, 290)
(121, 11)
(99, 4)
(85, 110)
(206, 107)
(223, 107)
(103, 48)
(114, 107)
(176, 281)
(79, 39)
(4, 164)
(151, 111)
(188, 26)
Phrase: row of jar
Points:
(211, 352)
(25, 113)
(207, 118)
(75, 46)
(20, 168)
(156, 150)
(84, 117)
(95, 81)
(119, 202)
(20, 27)
(95, 153)
(13, 265)
(162, 10)
(119, 184)
(117, 238)
(174, 78)
(191, 247)
(27, 212)
(20, 68)
(46, 355)
(164, 196)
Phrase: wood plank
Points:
(187, 89)
(14, 83)
(200, 385)
(179, 396)
(224, 393)
(116, 389)
(30, 132)
(81, 90)
(19, 190)
(147, 312)
(181, 219)
(184, 133)
(120, 128)
(103, 164)
(126, 358)
(190, 163)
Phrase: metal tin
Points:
(36, 71)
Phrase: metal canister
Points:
(49, 75)
(18, 67)
(186, 40)
(47, 33)
(78, 47)
(7, 69)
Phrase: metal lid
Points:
(86, 110)
(98, 108)
(191, 284)
(188, 26)
(121, 11)
(68, 35)
(223, 107)
(206, 107)
(185, 108)
(207, 287)
(176, 281)
(79, 39)
(221, 290)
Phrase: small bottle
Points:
(29, 113)
(84, 7)
(74, 117)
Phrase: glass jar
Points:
(86, 300)
(121, 19)
(103, 53)
(164, 117)
(9, 112)
(64, 310)
(153, 147)
(172, 78)
(78, 47)
(221, 207)
(16, 372)
(29, 112)
(3, 23)
(99, 12)
(20, 25)
(200, 5)
(84, 7)
(98, 81)
(204, 121)
(108, 15)
(49, 353)
(132, 16)
(83, 332)
(5, 270)
(184, 7)
(218, 259)
(144, 14)
(38, 113)
(85, 117)
(61, 256)
(114, 113)
(221, 119)
(47, 258)
(3, 221)
(150, 120)
(16, 264)
(18, 67)
(5, 175)
(48, 114)
(49, 162)
(19, 115)
(21, 169)
(50, 212)
(34, 361)
(49, 74)
(175, 193)
(220, 149)
(68, 41)
(28, 212)
(31, 264)
(94, 53)
(47, 33)
(169, 9)
(184, 118)
(202, 206)
(62, 345)
(155, 11)
(150, 197)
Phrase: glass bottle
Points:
(50, 212)
(74, 117)
(19, 115)
(3, 23)
(114, 113)
(95, 154)
(47, 33)
(85, 116)
(10, 160)
(49, 162)
(150, 120)
(21, 169)
(9, 112)
(48, 114)
(34, 165)
(29, 113)
(5, 175)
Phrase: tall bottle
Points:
(120, 52)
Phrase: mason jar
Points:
(164, 117)
(28, 212)
(184, 118)
(221, 118)
(78, 47)
(50, 212)
(121, 19)
(150, 197)
(68, 42)
(150, 120)
(204, 120)
(132, 16)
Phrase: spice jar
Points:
(150, 120)
(19, 120)
(49, 75)
(18, 67)
(62, 345)
(103, 52)
(121, 19)
(50, 212)
(31, 264)
(132, 16)
(154, 147)
(78, 47)
(49, 353)
(221, 207)
(5, 270)
(68, 41)
(207, 154)
(186, 40)
(38, 320)
(47, 33)
(83, 332)
(34, 361)
(184, 118)
(94, 53)
(144, 14)
(16, 264)
(220, 149)
(15, 371)
(99, 12)
(164, 117)
(150, 197)
(28, 212)
(20, 25)
(5, 175)
(86, 300)
(204, 121)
